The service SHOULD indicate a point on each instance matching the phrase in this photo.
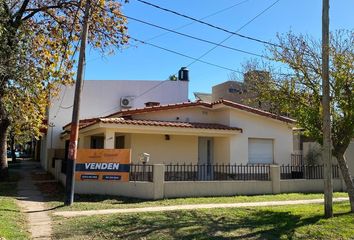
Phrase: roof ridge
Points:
(125, 113)
(186, 104)
(254, 110)
(167, 123)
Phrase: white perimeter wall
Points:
(102, 97)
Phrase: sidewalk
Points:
(190, 207)
(31, 201)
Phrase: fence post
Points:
(158, 180)
(275, 178)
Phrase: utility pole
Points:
(74, 132)
(327, 143)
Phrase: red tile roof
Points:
(130, 112)
(127, 112)
(83, 122)
(214, 126)
(124, 114)
(254, 110)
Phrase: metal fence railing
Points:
(306, 172)
(215, 172)
(297, 159)
(141, 172)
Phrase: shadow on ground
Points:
(220, 224)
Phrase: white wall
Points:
(216, 188)
(308, 186)
(181, 149)
(256, 126)
(102, 97)
(188, 114)
(253, 125)
(221, 150)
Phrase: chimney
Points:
(183, 74)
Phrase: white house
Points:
(222, 132)
(101, 97)
(197, 149)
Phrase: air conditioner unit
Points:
(126, 102)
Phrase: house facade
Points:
(222, 132)
(197, 149)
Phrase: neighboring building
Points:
(238, 91)
(222, 132)
(204, 97)
(230, 90)
(102, 97)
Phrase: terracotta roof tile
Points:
(254, 110)
(246, 108)
(127, 112)
(214, 126)
(169, 124)
(84, 122)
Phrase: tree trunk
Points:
(347, 178)
(12, 147)
(3, 150)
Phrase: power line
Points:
(195, 38)
(186, 25)
(174, 52)
(184, 55)
(180, 54)
(210, 15)
(209, 24)
(231, 35)
(199, 60)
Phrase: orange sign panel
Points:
(103, 165)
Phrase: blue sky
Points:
(144, 62)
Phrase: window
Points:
(260, 151)
(233, 90)
(120, 142)
(97, 142)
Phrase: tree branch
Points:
(34, 11)
(18, 15)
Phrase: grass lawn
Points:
(283, 222)
(12, 221)
(92, 202)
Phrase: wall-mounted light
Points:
(167, 137)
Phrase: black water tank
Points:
(183, 74)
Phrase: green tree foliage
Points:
(299, 92)
(38, 40)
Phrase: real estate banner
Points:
(103, 165)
